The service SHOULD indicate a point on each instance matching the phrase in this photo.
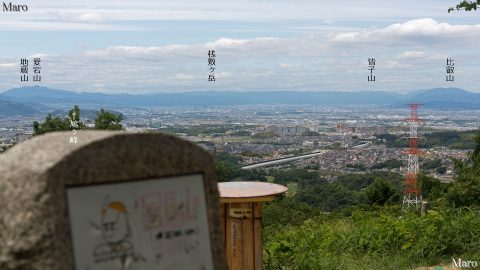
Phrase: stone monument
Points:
(113, 200)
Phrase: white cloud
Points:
(7, 65)
(265, 63)
(126, 51)
(218, 9)
(91, 18)
(223, 46)
(227, 42)
(184, 77)
(328, 13)
(416, 29)
(27, 25)
(392, 64)
(72, 16)
(414, 54)
(285, 65)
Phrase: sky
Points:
(147, 46)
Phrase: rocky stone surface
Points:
(34, 224)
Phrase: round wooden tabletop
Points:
(249, 191)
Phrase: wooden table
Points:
(241, 221)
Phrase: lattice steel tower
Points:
(412, 196)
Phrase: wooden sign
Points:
(241, 212)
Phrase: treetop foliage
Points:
(466, 5)
(105, 120)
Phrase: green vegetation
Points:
(241, 133)
(58, 124)
(433, 189)
(296, 175)
(377, 239)
(431, 164)
(382, 192)
(388, 164)
(452, 139)
(357, 166)
(292, 189)
(227, 168)
(356, 222)
(465, 191)
(347, 192)
(310, 133)
(465, 5)
(249, 153)
(104, 120)
(109, 121)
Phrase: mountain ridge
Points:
(43, 98)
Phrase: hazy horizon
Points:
(405, 92)
(125, 47)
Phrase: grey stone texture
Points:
(34, 224)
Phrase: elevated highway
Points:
(284, 160)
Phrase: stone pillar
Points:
(113, 200)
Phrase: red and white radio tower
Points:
(412, 196)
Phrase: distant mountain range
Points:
(8, 108)
(33, 100)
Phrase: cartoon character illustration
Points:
(116, 233)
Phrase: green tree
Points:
(59, 124)
(105, 120)
(476, 152)
(381, 192)
(432, 188)
(109, 121)
(465, 5)
(227, 167)
(465, 190)
(389, 164)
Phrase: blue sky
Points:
(161, 46)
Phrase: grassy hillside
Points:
(382, 238)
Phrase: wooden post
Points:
(424, 208)
(241, 207)
(257, 228)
